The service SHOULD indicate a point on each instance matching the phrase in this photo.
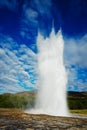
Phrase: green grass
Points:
(20, 101)
(77, 102)
(84, 111)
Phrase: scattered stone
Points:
(38, 126)
(10, 128)
(30, 125)
(17, 120)
(53, 126)
(55, 129)
(74, 128)
(29, 129)
(3, 127)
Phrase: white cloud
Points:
(16, 64)
(34, 11)
(76, 51)
(35, 7)
(31, 14)
(75, 55)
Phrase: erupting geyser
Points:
(52, 95)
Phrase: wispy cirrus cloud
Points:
(17, 66)
(36, 14)
(30, 14)
(76, 51)
(18, 71)
(75, 55)
(34, 8)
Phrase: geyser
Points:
(52, 95)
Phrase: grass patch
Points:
(20, 100)
(77, 101)
(84, 111)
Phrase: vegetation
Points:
(84, 111)
(76, 100)
(20, 100)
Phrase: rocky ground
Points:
(12, 119)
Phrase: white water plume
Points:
(52, 96)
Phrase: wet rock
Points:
(17, 120)
(54, 129)
(10, 128)
(53, 126)
(29, 129)
(3, 127)
(39, 126)
(74, 128)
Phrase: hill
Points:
(77, 94)
(22, 100)
(77, 100)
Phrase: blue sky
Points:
(20, 21)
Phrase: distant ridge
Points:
(70, 93)
(26, 99)
(77, 94)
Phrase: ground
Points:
(13, 119)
